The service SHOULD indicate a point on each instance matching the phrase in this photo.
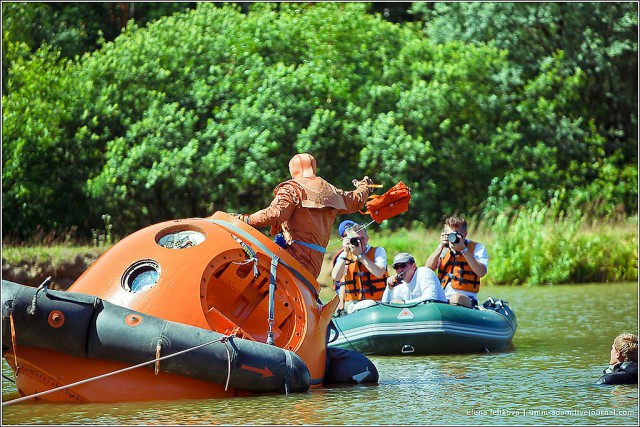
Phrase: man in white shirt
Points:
(411, 283)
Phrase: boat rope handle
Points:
(340, 331)
(224, 341)
(272, 294)
(108, 374)
(332, 327)
(31, 310)
(361, 228)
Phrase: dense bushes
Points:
(201, 111)
(544, 245)
(575, 128)
(537, 246)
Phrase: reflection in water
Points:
(561, 346)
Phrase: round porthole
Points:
(141, 276)
(180, 237)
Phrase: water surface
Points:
(560, 349)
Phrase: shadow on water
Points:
(546, 378)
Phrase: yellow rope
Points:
(13, 340)
(158, 348)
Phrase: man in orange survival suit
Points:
(304, 209)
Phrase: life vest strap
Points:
(461, 280)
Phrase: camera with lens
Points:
(454, 237)
(398, 279)
(355, 241)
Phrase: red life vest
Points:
(359, 283)
(454, 268)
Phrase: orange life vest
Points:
(454, 268)
(359, 283)
(395, 201)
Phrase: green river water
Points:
(560, 349)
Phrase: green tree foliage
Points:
(76, 28)
(72, 28)
(45, 159)
(200, 111)
(447, 155)
(580, 106)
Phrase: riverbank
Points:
(33, 264)
(529, 250)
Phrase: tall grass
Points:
(537, 246)
(53, 256)
(54, 249)
(419, 243)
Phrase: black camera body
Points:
(355, 241)
(398, 279)
(454, 237)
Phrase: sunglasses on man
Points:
(400, 265)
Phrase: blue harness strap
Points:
(312, 246)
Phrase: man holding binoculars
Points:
(360, 270)
(459, 262)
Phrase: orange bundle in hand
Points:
(390, 204)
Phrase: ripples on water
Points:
(561, 346)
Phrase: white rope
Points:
(247, 261)
(224, 341)
(361, 228)
(42, 393)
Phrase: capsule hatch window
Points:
(181, 239)
(141, 276)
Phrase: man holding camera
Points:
(359, 271)
(412, 284)
(460, 263)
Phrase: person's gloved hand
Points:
(366, 181)
(242, 217)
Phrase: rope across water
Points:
(155, 360)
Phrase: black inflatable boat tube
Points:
(97, 329)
